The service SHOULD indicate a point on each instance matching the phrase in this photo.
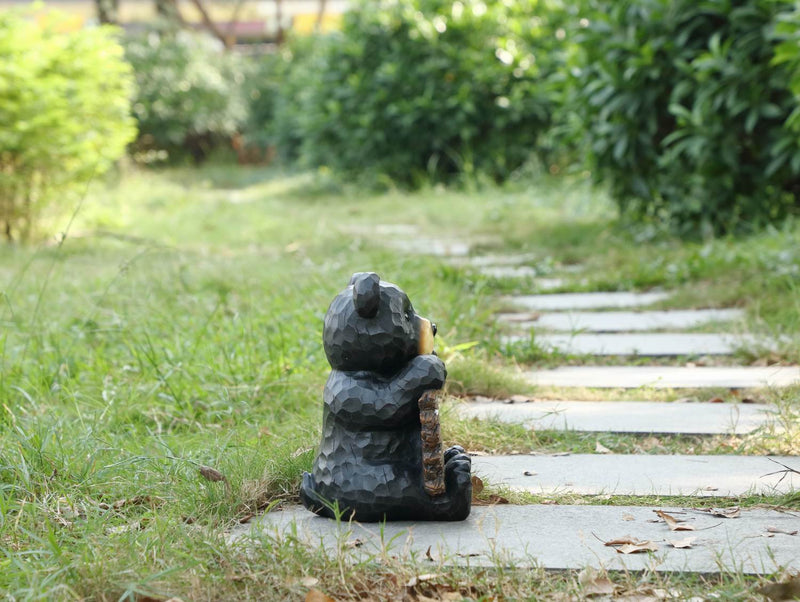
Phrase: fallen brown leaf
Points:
(682, 543)
(732, 512)
(415, 581)
(596, 583)
(628, 517)
(211, 474)
(786, 590)
(599, 448)
(645, 546)
(477, 486)
(673, 523)
(620, 541)
(428, 554)
(776, 530)
(629, 545)
(314, 595)
(716, 400)
(354, 543)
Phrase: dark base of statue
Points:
(394, 492)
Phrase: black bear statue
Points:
(370, 462)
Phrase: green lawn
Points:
(178, 325)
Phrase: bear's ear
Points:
(366, 293)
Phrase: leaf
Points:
(776, 530)
(595, 583)
(638, 548)
(786, 590)
(415, 581)
(314, 595)
(599, 448)
(731, 512)
(673, 523)
(211, 474)
(686, 542)
(629, 545)
(628, 517)
(428, 554)
(477, 486)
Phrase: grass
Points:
(178, 326)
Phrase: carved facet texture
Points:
(370, 461)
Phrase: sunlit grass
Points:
(179, 324)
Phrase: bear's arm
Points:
(359, 398)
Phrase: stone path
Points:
(573, 537)
(567, 301)
(645, 474)
(646, 417)
(618, 321)
(556, 537)
(651, 344)
(667, 377)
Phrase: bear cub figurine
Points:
(369, 464)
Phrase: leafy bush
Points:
(685, 111)
(261, 89)
(418, 88)
(190, 96)
(64, 113)
(787, 53)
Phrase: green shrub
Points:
(190, 95)
(685, 111)
(413, 89)
(787, 53)
(64, 114)
(261, 89)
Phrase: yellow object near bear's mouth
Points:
(425, 337)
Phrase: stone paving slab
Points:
(478, 261)
(430, 246)
(620, 321)
(639, 474)
(508, 271)
(667, 377)
(567, 301)
(550, 536)
(646, 417)
(659, 344)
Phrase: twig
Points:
(786, 471)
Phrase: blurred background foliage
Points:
(64, 114)
(190, 94)
(688, 111)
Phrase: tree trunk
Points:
(168, 9)
(212, 28)
(107, 11)
(320, 15)
(279, 19)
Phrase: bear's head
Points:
(371, 325)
